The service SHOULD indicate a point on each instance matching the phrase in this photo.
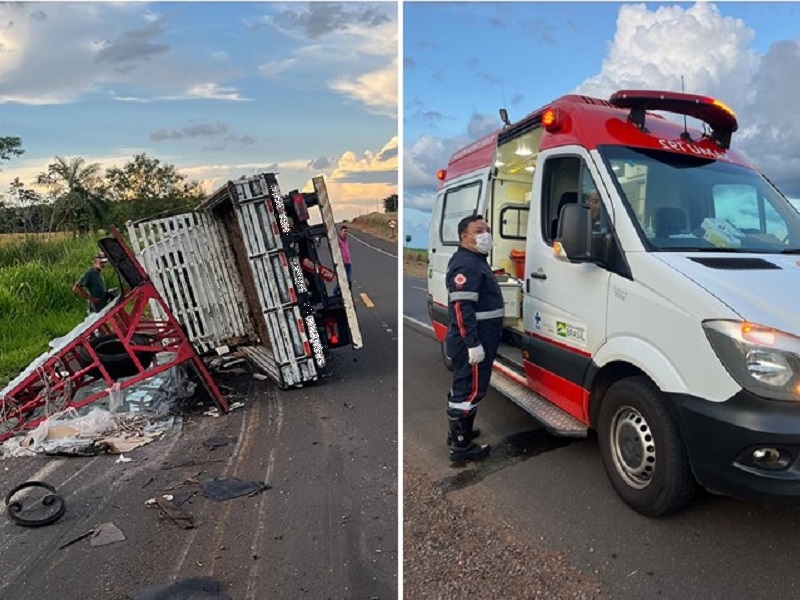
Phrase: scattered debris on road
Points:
(77, 539)
(15, 508)
(196, 588)
(225, 488)
(215, 442)
(168, 509)
(106, 533)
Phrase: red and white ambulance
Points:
(665, 316)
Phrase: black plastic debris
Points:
(182, 497)
(191, 588)
(218, 441)
(53, 505)
(225, 488)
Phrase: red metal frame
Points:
(53, 384)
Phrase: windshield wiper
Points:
(732, 250)
(791, 251)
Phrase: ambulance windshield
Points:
(691, 203)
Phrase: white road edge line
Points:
(371, 246)
(418, 322)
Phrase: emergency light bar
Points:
(717, 115)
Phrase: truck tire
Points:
(115, 358)
(642, 449)
(448, 362)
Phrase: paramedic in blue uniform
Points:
(475, 311)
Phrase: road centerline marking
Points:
(366, 300)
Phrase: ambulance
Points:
(651, 277)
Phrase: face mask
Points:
(483, 242)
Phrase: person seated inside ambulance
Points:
(599, 220)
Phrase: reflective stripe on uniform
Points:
(474, 384)
(460, 405)
(459, 319)
(490, 314)
(464, 296)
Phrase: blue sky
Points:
(219, 89)
(463, 61)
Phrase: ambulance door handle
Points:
(538, 275)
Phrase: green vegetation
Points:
(36, 299)
(416, 255)
(376, 224)
(415, 262)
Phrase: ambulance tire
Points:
(448, 362)
(642, 448)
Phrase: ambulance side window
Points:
(560, 187)
(513, 222)
(458, 203)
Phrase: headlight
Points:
(762, 360)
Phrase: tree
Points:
(390, 203)
(77, 193)
(408, 239)
(29, 208)
(144, 186)
(10, 146)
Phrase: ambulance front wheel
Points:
(448, 362)
(643, 453)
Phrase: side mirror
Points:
(575, 232)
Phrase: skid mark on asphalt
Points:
(275, 415)
(247, 429)
(512, 450)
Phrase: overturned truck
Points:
(246, 270)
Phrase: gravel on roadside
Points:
(452, 550)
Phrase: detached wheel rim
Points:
(633, 448)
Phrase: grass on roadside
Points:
(415, 262)
(376, 224)
(36, 299)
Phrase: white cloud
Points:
(655, 48)
(713, 53)
(376, 90)
(56, 53)
(274, 68)
(428, 153)
(357, 42)
(212, 91)
(358, 182)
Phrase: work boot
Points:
(473, 432)
(463, 448)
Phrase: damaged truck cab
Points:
(650, 275)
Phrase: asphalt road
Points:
(327, 528)
(555, 492)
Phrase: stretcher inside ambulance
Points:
(650, 274)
